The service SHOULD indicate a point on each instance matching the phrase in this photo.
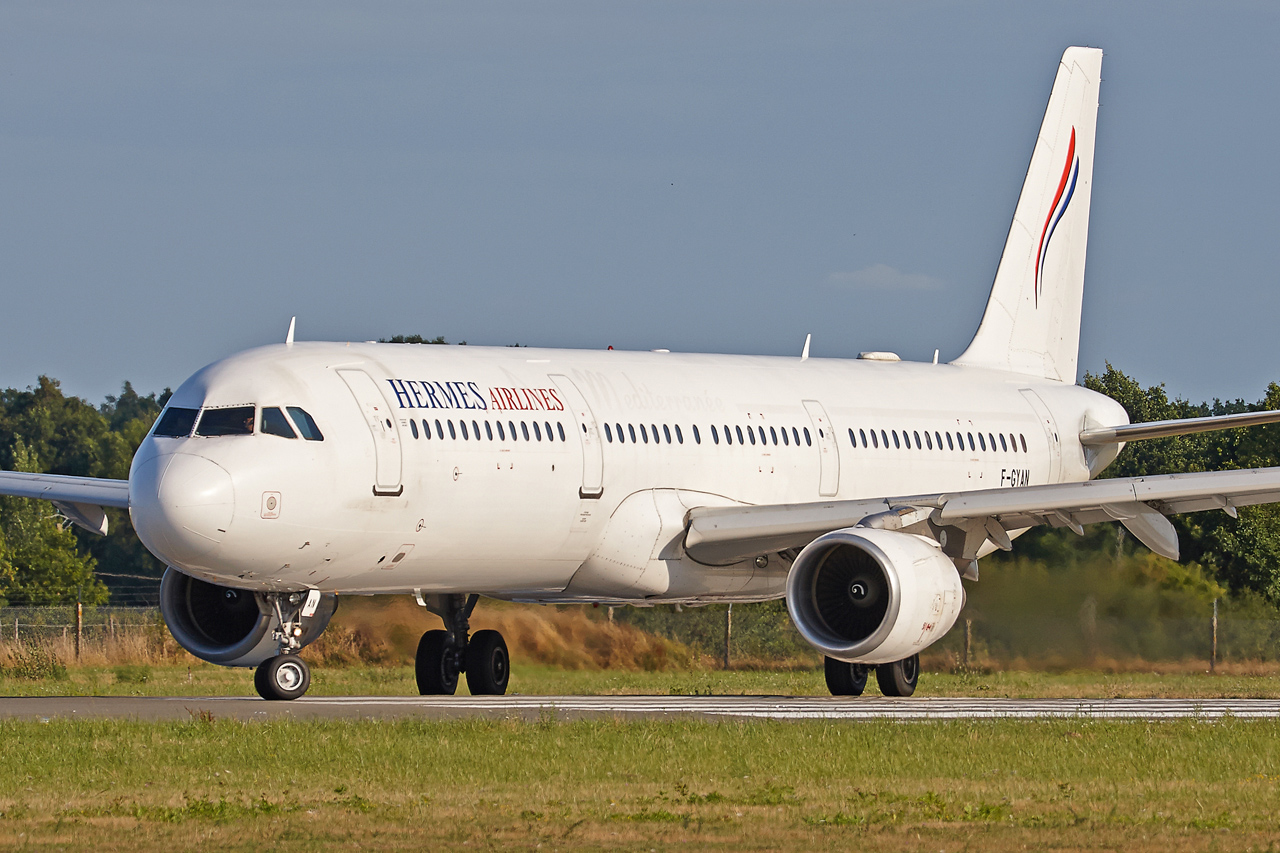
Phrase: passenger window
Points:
(697, 436)
(874, 441)
(896, 445)
(937, 436)
(488, 431)
(413, 425)
(653, 428)
(426, 428)
(275, 423)
(551, 436)
(762, 438)
(560, 429)
(928, 440)
(728, 435)
(973, 448)
(621, 438)
(511, 427)
(751, 435)
(739, 431)
(502, 436)
(462, 425)
(452, 432)
(608, 434)
(524, 429)
(808, 440)
(1023, 439)
(918, 445)
(475, 429)
(992, 442)
(982, 441)
(537, 432)
(852, 438)
(884, 439)
(786, 440)
(680, 435)
(950, 446)
(862, 433)
(795, 435)
(1013, 442)
(666, 432)
(176, 423)
(644, 434)
(439, 430)
(1003, 446)
(631, 429)
(235, 421)
(715, 434)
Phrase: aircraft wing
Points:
(80, 499)
(964, 522)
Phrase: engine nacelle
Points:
(228, 626)
(865, 595)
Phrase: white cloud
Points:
(883, 277)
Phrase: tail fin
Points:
(1032, 321)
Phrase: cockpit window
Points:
(176, 423)
(234, 421)
(275, 423)
(307, 425)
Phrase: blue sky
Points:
(180, 178)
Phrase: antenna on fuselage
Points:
(288, 339)
(804, 356)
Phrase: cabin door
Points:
(825, 436)
(382, 426)
(588, 433)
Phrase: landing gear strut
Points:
(287, 676)
(444, 655)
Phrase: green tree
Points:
(40, 561)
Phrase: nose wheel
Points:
(282, 677)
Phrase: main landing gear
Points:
(287, 676)
(444, 655)
(850, 679)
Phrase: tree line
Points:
(43, 560)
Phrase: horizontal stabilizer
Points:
(1184, 426)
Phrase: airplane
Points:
(861, 490)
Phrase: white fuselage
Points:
(395, 498)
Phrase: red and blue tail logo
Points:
(1066, 188)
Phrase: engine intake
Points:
(228, 626)
(865, 595)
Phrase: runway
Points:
(917, 709)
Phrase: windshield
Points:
(234, 421)
(176, 423)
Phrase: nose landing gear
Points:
(444, 655)
(287, 676)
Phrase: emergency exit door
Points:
(829, 473)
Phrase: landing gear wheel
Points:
(488, 664)
(434, 667)
(899, 678)
(282, 677)
(845, 679)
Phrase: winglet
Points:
(804, 356)
(288, 339)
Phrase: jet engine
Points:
(228, 626)
(865, 595)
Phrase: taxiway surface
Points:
(626, 707)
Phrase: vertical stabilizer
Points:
(1032, 321)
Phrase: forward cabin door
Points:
(825, 436)
(589, 433)
(1050, 433)
(382, 426)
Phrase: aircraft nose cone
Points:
(181, 506)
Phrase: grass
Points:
(994, 785)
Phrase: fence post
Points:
(968, 640)
(1213, 654)
(15, 629)
(79, 624)
(728, 631)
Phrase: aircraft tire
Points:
(899, 678)
(845, 679)
(434, 676)
(488, 664)
(282, 678)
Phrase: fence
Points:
(90, 634)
